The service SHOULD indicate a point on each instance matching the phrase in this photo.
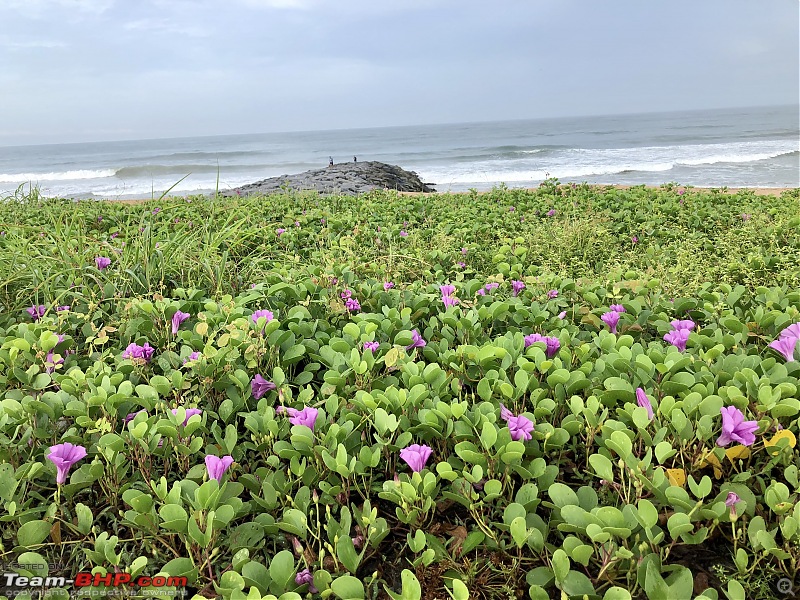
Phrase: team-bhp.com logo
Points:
(86, 580)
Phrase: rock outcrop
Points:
(345, 178)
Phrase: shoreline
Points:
(758, 191)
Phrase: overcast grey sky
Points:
(75, 70)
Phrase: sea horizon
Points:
(732, 147)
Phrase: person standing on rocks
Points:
(330, 161)
(355, 159)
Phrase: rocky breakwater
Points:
(345, 178)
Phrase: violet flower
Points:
(618, 308)
(102, 262)
(521, 427)
(64, 308)
(735, 428)
(481, 292)
(387, 286)
(267, 314)
(63, 456)
(192, 357)
(307, 416)
(403, 233)
(634, 239)
(731, 501)
(678, 338)
(280, 231)
(134, 351)
(216, 466)
(492, 285)
(36, 312)
(260, 386)
(562, 314)
(552, 294)
(303, 577)
(352, 305)
(551, 212)
(346, 294)
(464, 251)
(447, 290)
(190, 412)
(785, 346)
(178, 318)
(517, 287)
(373, 346)
(686, 324)
(643, 401)
(50, 365)
(416, 456)
(449, 301)
(417, 341)
(131, 416)
(611, 319)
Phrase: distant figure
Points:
(355, 159)
(330, 161)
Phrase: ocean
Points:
(754, 147)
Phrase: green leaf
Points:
(33, 533)
(602, 466)
(281, 569)
(85, 518)
(562, 495)
(348, 587)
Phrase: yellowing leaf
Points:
(201, 328)
(737, 452)
(677, 477)
(710, 458)
(783, 434)
(391, 357)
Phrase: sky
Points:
(93, 70)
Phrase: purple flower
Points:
(745, 217)
(552, 294)
(611, 319)
(521, 427)
(305, 576)
(193, 356)
(449, 301)
(307, 416)
(511, 209)
(63, 308)
(102, 262)
(517, 287)
(551, 212)
(190, 412)
(416, 456)
(53, 364)
(387, 286)
(618, 308)
(680, 192)
(634, 239)
(785, 346)
(352, 305)
(463, 265)
(679, 325)
(552, 343)
(297, 223)
(156, 210)
(417, 341)
(735, 428)
(403, 233)
(216, 466)
(131, 416)
(135, 351)
(260, 386)
(643, 401)
(562, 314)
(267, 314)
(178, 318)
(786, 342)
(36, 312)
(464, 251)
(678, 338)
(346, 294)
(481, 292)
(492, 285)
(279, 231)
(731, 501)
(371, 346)
(63, 456)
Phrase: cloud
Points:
(280, 4)
(164, 26)
(43, 8)
(12, 44)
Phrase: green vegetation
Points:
(605, 500)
